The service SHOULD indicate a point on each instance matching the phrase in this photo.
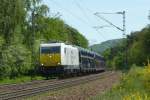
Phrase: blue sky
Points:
(80, 15)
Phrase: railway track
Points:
(15, 87)
(51, 85)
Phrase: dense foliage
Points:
(135, 85)
(137, 45)
(24, 24)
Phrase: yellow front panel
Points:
(50, 59)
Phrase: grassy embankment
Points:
(21, 79)
(135, 85)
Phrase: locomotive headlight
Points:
(42, 64)
(58, 63)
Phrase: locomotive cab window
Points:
(46, 50)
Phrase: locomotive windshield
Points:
(47, 50)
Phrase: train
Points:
(61, 58)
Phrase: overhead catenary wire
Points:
(87, 17)
(74, 15)
(90, 11)
(89, 20)
(68, 11)
(82, 11)
(108, 21)
(80, 19)
(96, 29)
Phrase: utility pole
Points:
(123, 29)
(124, 35)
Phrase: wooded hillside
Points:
(100, 48)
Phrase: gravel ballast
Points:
(82, 91)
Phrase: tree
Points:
(12, 15)
(23, 23)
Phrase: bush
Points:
(135, 85)
(15, 61)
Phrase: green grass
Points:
(135, 85)
(20, 79)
